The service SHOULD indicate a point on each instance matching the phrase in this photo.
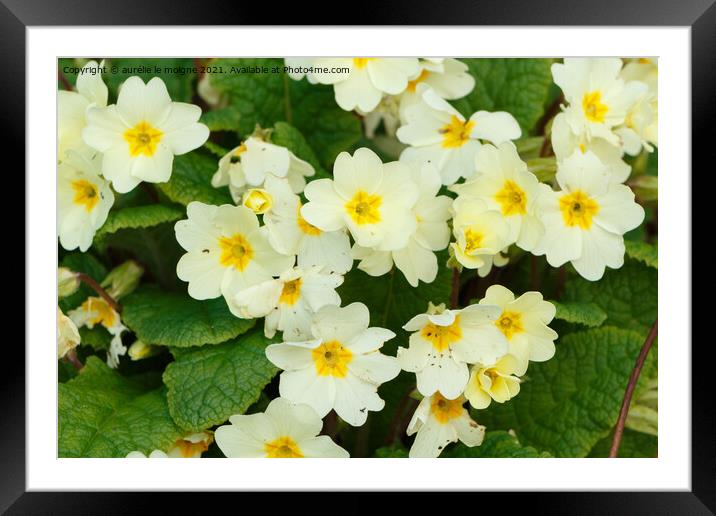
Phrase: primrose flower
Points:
(417, 260)
(227, 251)
(585, 221)
(443, 342)
(523, 321)
(373, 200)
(72, 109)
(366, 80)
(191, 446)
(640, 129)
(505, 185)
(480, 233)
(96, 310)
(156, 454)
(68, 337)
(493, 382)
(290, 234)
(285, 431)
(140, 135)
(438, 422)
(437, 133)
(83, 201)
(289, 302)
(340, 368)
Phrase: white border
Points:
(670, 471)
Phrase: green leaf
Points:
(139, 217)
(288, 136)
(633, 445)
(518, 86)
(177, 320)
(191, 181)
(81, 262)
(180, 85)
(392, 452)
(211, 384)
(267, 98)
(97, 337)
(497, 444)
(567, 404)
(627, 295)
(103, 414)
(224, 119)
(643, 252)
(588, 314)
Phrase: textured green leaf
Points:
(224, 119)
(567, 404)
(177, 320)
(209, 385)
(392, 452)
(140, 217)
(633, 445)
(180, 85)
(588, 314)
(191, 181)
(497, 444)
(288, 136)
(97, 337)
(643, 252)
(103, 414)
(267, 98)
(628, 295)
(81, 262)
(518, 86)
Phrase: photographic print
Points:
(385, 257)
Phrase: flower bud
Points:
(257, 200)
(68, 337)
(140, 350)
(122, 280)
(67, 282)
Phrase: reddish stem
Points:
(455, 294)
(102, 292)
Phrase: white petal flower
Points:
(366, 80)
(438, 422)
(417, 260)
(641, 123)
(156, 454)
(289, 302)
(480, 233)
(599, 98)
(340, 368)
(504, 184)
(565, 143)
(96, 310)
(524, 322)
(443, 342)
(83, 201)
(373, 200)
(227, 251)
(285, 431)
(290, 234)
(140, 135)
(72, 109)
(191, 446)
(585, 221)
(437, 133)
(68, 337)
(300, 67)
(493, 382)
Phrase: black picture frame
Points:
(700, 15)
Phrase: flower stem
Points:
(102, 292)
(71, 357)
(455, 294)
(619, 429)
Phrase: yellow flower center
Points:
(364, 208)
(512, 199)
(86, 194)
(456, 133)
(361, 62)
(442, 336)
(444, 409)
(510, 323)
(594, 110)
(578, 209)
(473, 240)
(257, 200)
(414, 83)
(332, 359)
(291, 292)
(283, 448)
(104, 314)
(236, 252)
(308, 229)
(143, 139)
